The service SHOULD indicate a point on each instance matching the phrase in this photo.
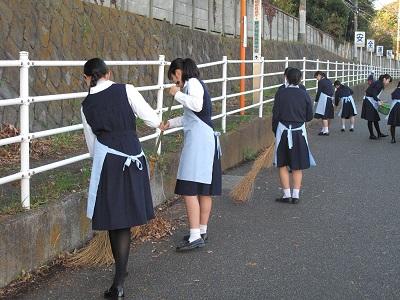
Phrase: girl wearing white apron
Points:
(394, 114)
(292, 109)
(348, 110)
(371, 103)
(324, 99)
(199, 172)
(119, 192)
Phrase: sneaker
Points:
(186, 246)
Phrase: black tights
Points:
(120, 240)
(393, 131)
(371, 131)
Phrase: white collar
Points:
(101, 85)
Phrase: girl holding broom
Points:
(394, 114)
(292, 108)
(371, 103)
(119, 190)
(348, 108)
(199, 171)
(324, 100)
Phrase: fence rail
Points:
(348, 72)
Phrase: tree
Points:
(384, 26)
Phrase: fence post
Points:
(336, 70)
(24, 127)
(354, 74)
(261, 94)
(304, 72)
(327, 68)
(343, 73)
(317, 67)
(286, 62)
(224, 77)
(160, 93)
(348, 73)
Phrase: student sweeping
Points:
(394, 114)
(348, 110)
(324, 100)
(119, 190)
(292, 109)
(199, 172)
(371, 103)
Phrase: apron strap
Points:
(217, 134)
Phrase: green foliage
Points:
(384, 26)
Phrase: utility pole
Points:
(398, 32)
(355, 25)
(243, 45)
(302, 21)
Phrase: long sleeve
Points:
(337, 96)
(176, 122)
(275, 113)
(309, 108)
(141, 108)
(194, 97)
(90, 137)
(318, 91)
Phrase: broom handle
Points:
(165, 119)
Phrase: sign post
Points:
(257, 29)
(359, 41)
(379, 52)
(371, 48)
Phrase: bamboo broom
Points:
(98, 251)
(242, 191)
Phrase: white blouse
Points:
(192, 100)
(139, 107)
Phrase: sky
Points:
(380, 3)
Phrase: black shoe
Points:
(373, 137)
(393, 140)
(295, 200)
(204, 236)
(381, 135)
(351, 129)
(114, 293)
(186, 246)
(283, 200)
(325, 134)
(321, 133)
(343, 130)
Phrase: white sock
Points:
(296, 193)
(325, 130)
(203, 229)
(286, 193)
(343, 126)
(194, 234)
(352, 126)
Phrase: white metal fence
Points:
(347, 72)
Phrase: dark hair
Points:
(96, 68)
(336, 83)
(187, 66)
(385, 76)
(287, 70)
(293, 76)
(398, 85)
(319, 73)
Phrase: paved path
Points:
(341, 242)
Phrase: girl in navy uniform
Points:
(394, 114)
(348, 108)
(286, 84)
(292, 108)
(371, 103)
(199, 171)
(119, 190)
(324, 99)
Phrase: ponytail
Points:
(96, 68)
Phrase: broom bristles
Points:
(243, 190)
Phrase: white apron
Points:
(345, 100)
(197, 158)
(394, 102)
(321, 105)
(373, 102)
(100, 152)
(279, 131)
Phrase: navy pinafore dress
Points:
(123, 196)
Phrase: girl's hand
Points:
(173, 90)
(164, 126)
(380, 102)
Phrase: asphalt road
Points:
(341, 242)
